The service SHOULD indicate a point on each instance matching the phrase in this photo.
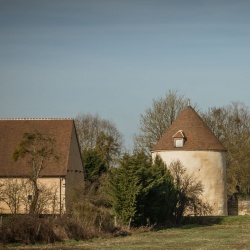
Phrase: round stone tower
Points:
(191, 141)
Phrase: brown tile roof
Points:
(198, 135)
(11, 133)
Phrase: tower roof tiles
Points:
(198, 136)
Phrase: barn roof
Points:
(11, 134)
(198, 135)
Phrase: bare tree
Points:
(15, 192)
(156, 120)
(100, 134)
(10, 194)
(37, 149)
(189, 192)
(48, 201)
(231, 124)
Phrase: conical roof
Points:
(197, 135)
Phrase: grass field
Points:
(218, 233)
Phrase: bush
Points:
(88, 221)
(243, 197)
(27, 229)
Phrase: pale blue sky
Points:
(60, 58)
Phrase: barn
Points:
(57, 179)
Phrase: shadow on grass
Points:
(192, 222)
(198, 221)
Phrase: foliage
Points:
(142, 191)
(107, 148)
(100, 134)
(233, 234)
(90, 207)
(37, 149)
(229, 231)
(157, 118)
(243, 197)
(148, 193)
(158, 198)
(124, 189)
(27, 229)
(231, 124)
(94, 164)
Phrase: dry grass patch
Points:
(229, 233)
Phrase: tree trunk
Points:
(129, 223)
(33, 204)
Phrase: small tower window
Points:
(178, 142)
(179, 139)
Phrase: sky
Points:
(62, 58)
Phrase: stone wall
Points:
(244, 207)
(239, 207)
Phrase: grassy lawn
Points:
(220, 233)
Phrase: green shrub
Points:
(244, 197)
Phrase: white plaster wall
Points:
(210, 168)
